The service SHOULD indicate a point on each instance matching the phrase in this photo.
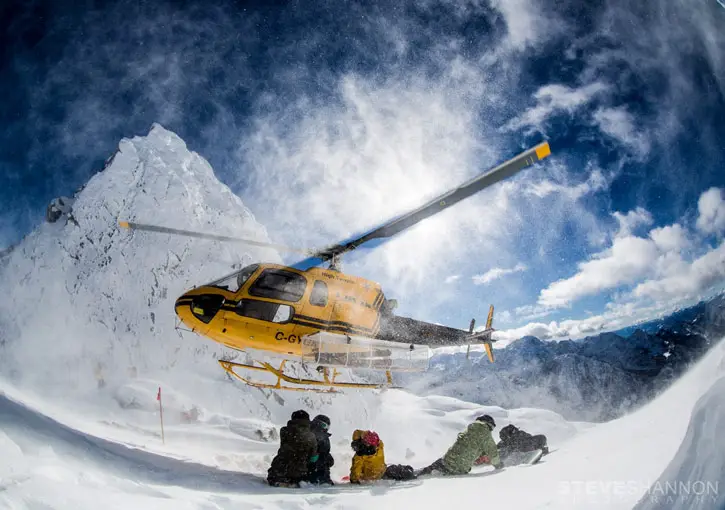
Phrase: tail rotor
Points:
(482, 337)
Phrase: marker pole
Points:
(161, 415)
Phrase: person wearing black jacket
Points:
(297, 449)
(514, 439)
(319, 471)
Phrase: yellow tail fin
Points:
(489, 351)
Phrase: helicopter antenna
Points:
(336, 262)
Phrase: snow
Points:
(88, 337)
(611, 465)
(694, 468)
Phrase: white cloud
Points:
(495, 273)
(629, 222)
(629, 259)
(658, 265)
(616, 316)
(551, 99)
(711, 208)
(540, 330)
(525, 24)
(690, 281)
(504, 317)
(672, 238)
(619, 124)
(453, 278)
(596, 181)
(531, 312)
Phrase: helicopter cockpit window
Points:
(279, 284)
(264, 310)
(234, 282)
(318, 296)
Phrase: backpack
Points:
(399, 472)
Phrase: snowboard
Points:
(522, 458)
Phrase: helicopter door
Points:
(258, 322)
(265, 321)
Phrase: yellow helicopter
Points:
(322, 316)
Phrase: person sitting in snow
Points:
(297, 449)
(514, 439)
(318, 472)
(476, 441)
(368, 463)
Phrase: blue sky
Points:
(327, 118)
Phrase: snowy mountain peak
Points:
(90, 302)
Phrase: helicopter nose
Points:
(198, 310)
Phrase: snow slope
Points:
(612, 465)
(698, 460)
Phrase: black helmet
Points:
(507, 432)
(323, 419)
(487, 419)
(300, 415)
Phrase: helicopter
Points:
(324, 317)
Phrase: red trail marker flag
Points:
(161, 414)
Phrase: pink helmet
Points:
(371, 438)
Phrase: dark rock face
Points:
(57, 208)
(597, 378)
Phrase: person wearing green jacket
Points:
(475, 442)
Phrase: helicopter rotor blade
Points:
(438, 204)
(201, 235)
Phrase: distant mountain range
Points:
(596, 378)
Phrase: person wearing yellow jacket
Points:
(368, 463)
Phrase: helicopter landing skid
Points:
(330, 384)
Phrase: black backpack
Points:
(399, 472)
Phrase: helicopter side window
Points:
(264, 310)
(244, 275)
(278, 284)
(318, 296)
(234, 282)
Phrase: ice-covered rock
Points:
(59, 207)
(88, 304)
